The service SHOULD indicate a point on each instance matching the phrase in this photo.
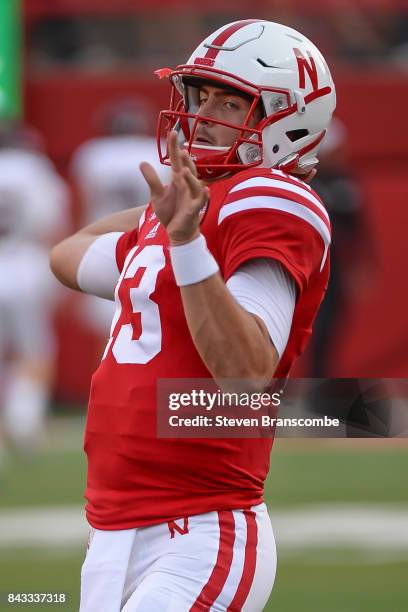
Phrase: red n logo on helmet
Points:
(306, 65)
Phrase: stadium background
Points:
(78, 55)
(61, 95)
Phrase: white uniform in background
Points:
(34, 211)
(31, 179)
(27, 295)
(106, 170)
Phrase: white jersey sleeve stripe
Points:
(282, 204)
(259, 181)
(292, 178)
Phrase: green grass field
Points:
(302, 585)
(302, 473)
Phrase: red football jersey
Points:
(134, 477)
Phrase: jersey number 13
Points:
(124, 348)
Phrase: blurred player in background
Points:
(106, 173)
(106, 168)
(33, 214)
(220, 276)
(353, 263)
(352, 251)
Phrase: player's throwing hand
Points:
(177, 205)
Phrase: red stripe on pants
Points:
(221, 569)
(248, 571)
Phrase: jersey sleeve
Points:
(127, 241)
(278, 218)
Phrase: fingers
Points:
(179, 158)
(197, 190)
(184, 179)
(151, 178)
(188, 162)
(174, 151)
(183, 165)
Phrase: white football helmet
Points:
(279, 69)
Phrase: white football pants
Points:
(219, 561)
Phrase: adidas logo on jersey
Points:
(153, 231)
(203, 210)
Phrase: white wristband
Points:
(192, 262)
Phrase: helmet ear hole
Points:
(295, 135)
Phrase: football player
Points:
(105, 171)
(220, 276)
(34, 204)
